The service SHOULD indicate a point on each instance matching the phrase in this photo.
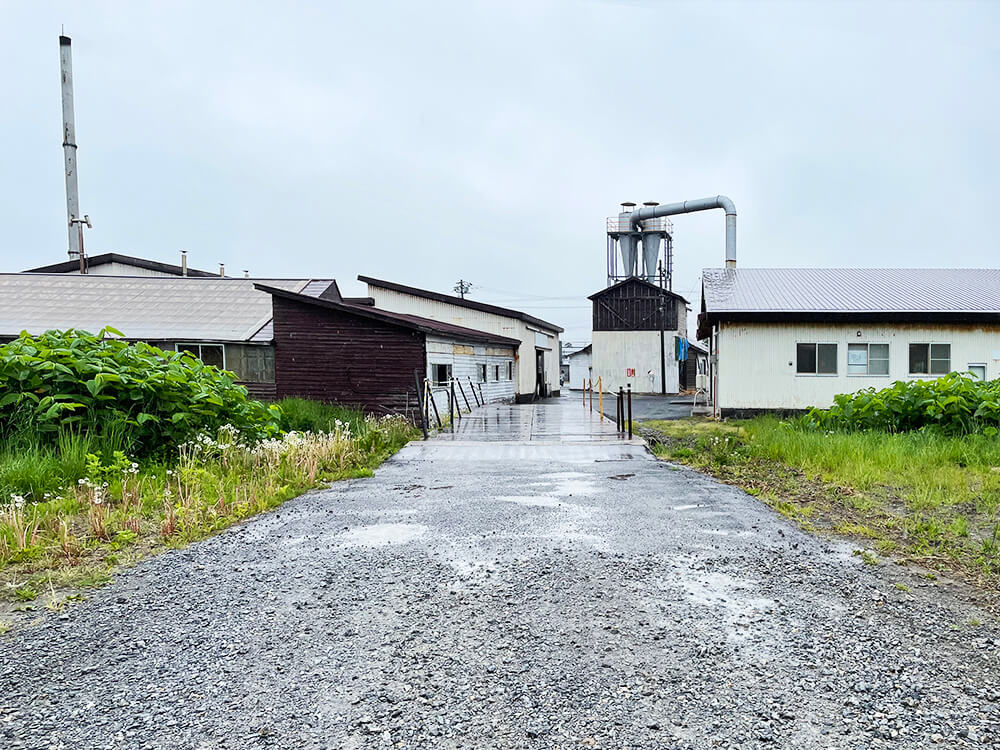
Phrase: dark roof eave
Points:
(412, 322)
(666, 292)
(458, 301)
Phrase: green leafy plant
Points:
(133, 396)
(955, 404)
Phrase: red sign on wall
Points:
(629, 372)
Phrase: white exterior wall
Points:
(616, 351)
(464, 360)
(579, 369)
(524, 363)
(122, 269)
(757, 361)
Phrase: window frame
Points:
(434, 373)
(510, 370)
(481, 372)
(930, 359)
(970, 365)
(179, 344)
(817, 373)
(868, 359)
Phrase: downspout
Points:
(687, 207)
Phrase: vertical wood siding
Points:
(634, 306)
(331, 356)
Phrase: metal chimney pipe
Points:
(701, 204)
(184, 262)
(69, 145)
(222, 269)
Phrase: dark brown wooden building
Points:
(354, 353)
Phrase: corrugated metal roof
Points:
(851, 290)
(201, 309)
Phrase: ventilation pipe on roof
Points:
(184, 262)
(222, 269)
(701, 204)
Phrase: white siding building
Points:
(636, 328)
(535, 370)
(487, 369)
(791, 339)
(580, 366)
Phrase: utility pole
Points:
(69, 154)
(463, 287)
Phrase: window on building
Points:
(258, 364)
(978, 371)
(816, 359)
(510, 371)
(496, 373)
(930, 359)
(481, 373)
(440, 374)
(867, 359)
(210, 354)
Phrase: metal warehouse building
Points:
(793, 338)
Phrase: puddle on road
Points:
(382, 534)
(540, 501)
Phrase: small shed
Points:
(358, 354)
(579, 365)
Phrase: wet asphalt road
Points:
(560, 590)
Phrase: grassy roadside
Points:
(924, 498)
(71, 513)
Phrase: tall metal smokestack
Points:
(69, 147)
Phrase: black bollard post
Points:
(629, 411)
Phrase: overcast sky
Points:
(427, 142)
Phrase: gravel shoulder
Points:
(506, 595)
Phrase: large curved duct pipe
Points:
(687, 207)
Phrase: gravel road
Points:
(484, 595)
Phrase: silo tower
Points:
(656, 236)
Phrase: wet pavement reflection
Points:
(558, 420)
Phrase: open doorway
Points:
(540, 373)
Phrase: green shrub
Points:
(955, 404)
(131, 397)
